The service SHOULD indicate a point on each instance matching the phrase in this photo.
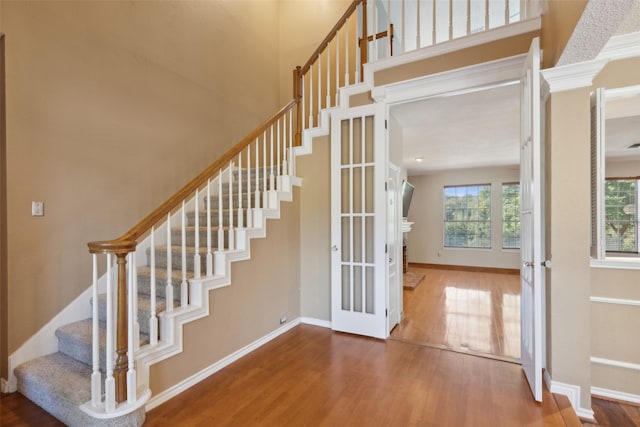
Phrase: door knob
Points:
(334, 248)
(527, 263)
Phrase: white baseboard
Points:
(215, 367)
(4, 386)
(573, 394)
(617, 395)
(45, 341)
(316, 322)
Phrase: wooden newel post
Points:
(297, 95)
(122, 330)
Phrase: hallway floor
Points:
(466, 311)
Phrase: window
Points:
(511, 216)
(621, 215)
(467, 216)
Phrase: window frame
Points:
(515, 183)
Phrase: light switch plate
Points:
(37, 208)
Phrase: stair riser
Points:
(202, 218)
(190, 237)
(82, 351)
(143, 314)
(144, 286)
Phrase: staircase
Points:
(61, 382)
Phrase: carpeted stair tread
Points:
(144, 281)
(59, 384)
(144, 309)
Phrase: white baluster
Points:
(249, 216)
(257, 194)
(311, 96)
(433, 24)
(153, 319)
(197, 263)
(418, 22)
(221, 244)
(507, 13)
(469, 16)
(272, 181)
(304, 101)
(278, 171)
(240, 179)
(209, 260)
(169, 287)
(285, 168)
(231, 238)
(486, 15)
(132, 330)
(450, 19)
(183, 285)
(404, 32)
(292, 169)
(110, 382)
(337, 66)
(96, 376)
(328, 96)
(347, 79)
(319, 87)
(265, 180)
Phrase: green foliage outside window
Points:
(621, 220)
(467, 216)
(511, 216)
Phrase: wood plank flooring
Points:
(615, 414)
(476, 312)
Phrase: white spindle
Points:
(311, 96)
(110, 382)
(231, 238)
(337, 65)
(319, 87)
(450, 19)
(240, 179)
(389, 39)
(221, 245)
(404, 31)
(285, 157)
(292, 170)
(132, 346)
(265, 194)
(278, 170)
(433, 23)
(304, 102)
(96, 376)
(257, 194)
(374, 25)
(328, 97)
(133, 301)
(272, 183)
(209, 254)
(418, 22)
(183, 230)
(347, 78)
(153, 319)
(196, 223)
(507, 13)
(469, 16)
(169, 287)
(486, 15)
(249, 216)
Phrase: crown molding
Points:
(573, 76)
(621, 47)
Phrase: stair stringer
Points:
(172, 323)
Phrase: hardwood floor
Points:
(615, 414)
(18, 411)
(466, 311)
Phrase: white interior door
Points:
(394, 247)
(358, 221)
(531, 231)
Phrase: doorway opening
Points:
(461, 152)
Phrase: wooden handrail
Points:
(329, 37)
(127, 242)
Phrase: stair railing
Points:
(368, 31)
(265, 158)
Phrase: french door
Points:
(358, 221)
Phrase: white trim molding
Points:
(573, 394)
(183, 385)
(616, 263)
(617, 301)
(621, 47)
(614, 394)
(4, 386)
(615, 363)
(573, 76)
(316, 322)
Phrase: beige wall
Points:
(559, 18)
(3, 219)
(263, 289)
(613, 334)
(304, 24)
(426, 241)
(315, 231)
(111, 107)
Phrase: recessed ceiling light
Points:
(419, 159)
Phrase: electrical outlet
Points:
(37, 208)
(283, 320)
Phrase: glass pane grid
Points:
(511, 216)
(467, 216)
(621, 215)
